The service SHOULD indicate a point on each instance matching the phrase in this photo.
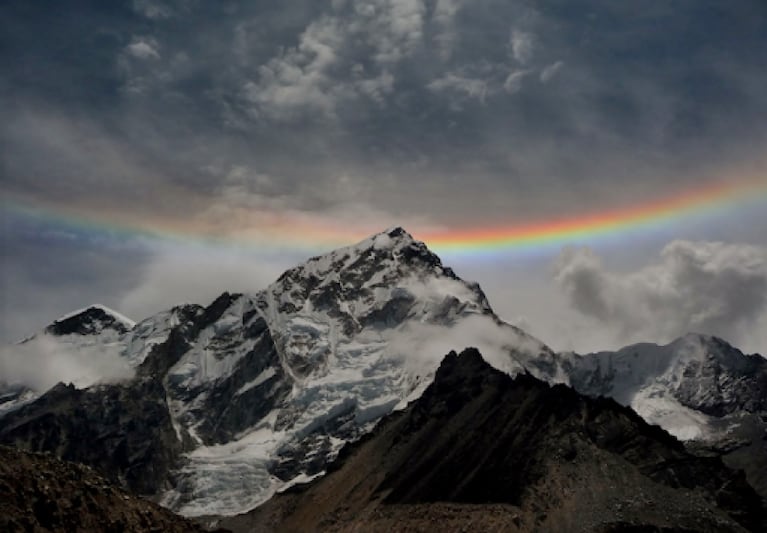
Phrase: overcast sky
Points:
(226, 115)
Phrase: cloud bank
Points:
(709, 287)
(42, 362)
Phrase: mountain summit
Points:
(90, 321)
(259, 391)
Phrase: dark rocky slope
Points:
(39, 492)
(482, 450)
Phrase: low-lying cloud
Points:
(707, 287)
(175, 276)
(43, 361)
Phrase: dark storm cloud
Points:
(524, 97)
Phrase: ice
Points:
(656, 406)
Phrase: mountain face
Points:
(221, 406)
(92, 320)
(699, 388)
(231, 402)
(42, 493)
(481, 450)
(90, 332)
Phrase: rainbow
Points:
(301, 232)
(702, 202)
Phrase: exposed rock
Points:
(480, 449)
(39, 492)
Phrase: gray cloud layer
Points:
(536, 101)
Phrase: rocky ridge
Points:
(39, 492)
(482, 450)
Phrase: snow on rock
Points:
(681, 386)
(127, 322)
(358, 332)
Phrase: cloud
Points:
(317, 76)
(152, 9)
(513, 82)
(44, 361)
(522, 45)
(143, 48)
(177, 275)
(470, 87)
(48, 270)
(706, 287)
(443, 17)
(550, 71)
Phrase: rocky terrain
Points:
(699, 388)
(39, 492)
(480, 450)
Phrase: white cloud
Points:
(550, 71)
(310, 78)
(707, 287)
(393, 27)
(443, 18)
(198, 275)
(44, 361)
(152, 9)
(299, 80)
(470, 87)
(522, 45)
(143, 48)
(513, 82)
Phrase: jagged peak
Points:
(97, 307)
(84, 321)
(392, 238)
(392, 248)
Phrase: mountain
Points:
(211, 410)
(231, 402)
(86, 334)
(480, 450)
(93, 320)
(39, 492)
(699, 388)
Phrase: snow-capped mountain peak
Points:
(680, 385)
(90, 320)
(261, 390)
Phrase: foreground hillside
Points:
(483, 451)
(41, 493)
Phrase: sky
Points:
(154, 152)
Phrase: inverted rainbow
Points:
(701, 202)
(299, 232)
